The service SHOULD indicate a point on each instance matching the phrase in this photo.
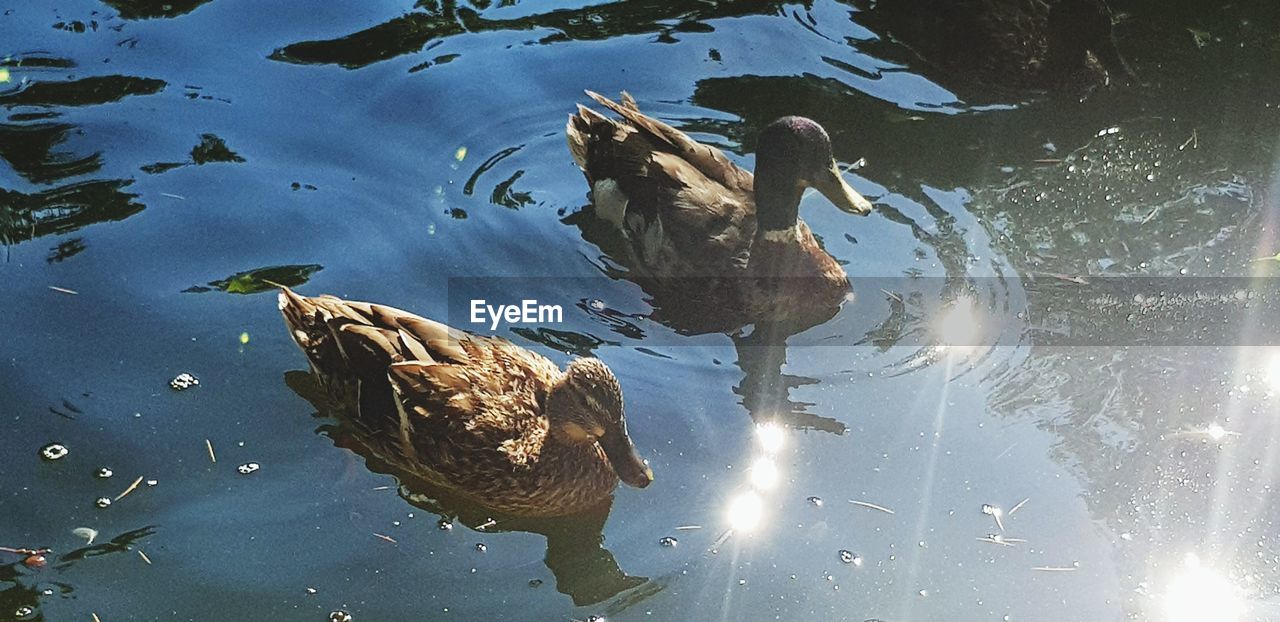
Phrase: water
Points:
(162, 159)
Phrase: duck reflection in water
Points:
(583, 569)
(716, 247)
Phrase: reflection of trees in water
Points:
(584, 570)
(438, 20)
(147, 9)
(34, 144)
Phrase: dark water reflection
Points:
(171, 147)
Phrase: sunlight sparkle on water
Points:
(1199, 593)
(1273, 372)
(745, 511)
(770, 436)
(764, 473)
(960, 324)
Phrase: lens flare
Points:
(1199, 593)
(771, 437)
(745, 512)
(764, 473)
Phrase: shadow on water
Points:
(27, 583)
(583, 569)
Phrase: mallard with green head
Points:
(494, 422)
(1039, 44)
(728, 245)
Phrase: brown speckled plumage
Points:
(699, 234)
(479, 415)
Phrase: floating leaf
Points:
(4, 74)
(260, 280)
(460, 154)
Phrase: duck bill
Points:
(625, 460)
(833, 186)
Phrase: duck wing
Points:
(685, 207)
(453, 388)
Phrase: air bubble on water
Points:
(248, 467)
(815, 501)
(104, 473)
(849, 557)
(54, 451)
(103, 502)
(668, 542)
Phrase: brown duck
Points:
(715, 245)
(478, 415)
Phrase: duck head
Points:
(1078, 29)
(794, 153)
(586, 407)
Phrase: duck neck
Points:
(777, 195)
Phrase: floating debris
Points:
(460, 154)
(384, 537)
(248, 467)
(445, 524)
(869, 505)
(152, 482)
(994, 512)
(817, 501)
(668, 542)
(995, 538)
(849, 557)
(209, 445)
(481, 547)
(183, 381)
(130, 489)
(595, 618)
(244, 339)
(596, 304)
(1055, 568)
(535, 583)
(144, 557)
(35, 561)
(339, 616)
(311, 591)
(103, 502)
(23, 611)
(489, 522)
(54, 451)
(1018, 506)
(63, 290)
(104, 473)
(88, 533)
(688, 527)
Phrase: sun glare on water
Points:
(1199, 593)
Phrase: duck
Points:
(494, 422)
(1050, 45)
(717, 246)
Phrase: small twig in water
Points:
(144, 557)
(1019, 505)
(212, 457)
(130, 489)
(1054, 569)
(688, 527)
(387, 538)
(868, 504)
(63, 290)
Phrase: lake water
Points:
(160, 159)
